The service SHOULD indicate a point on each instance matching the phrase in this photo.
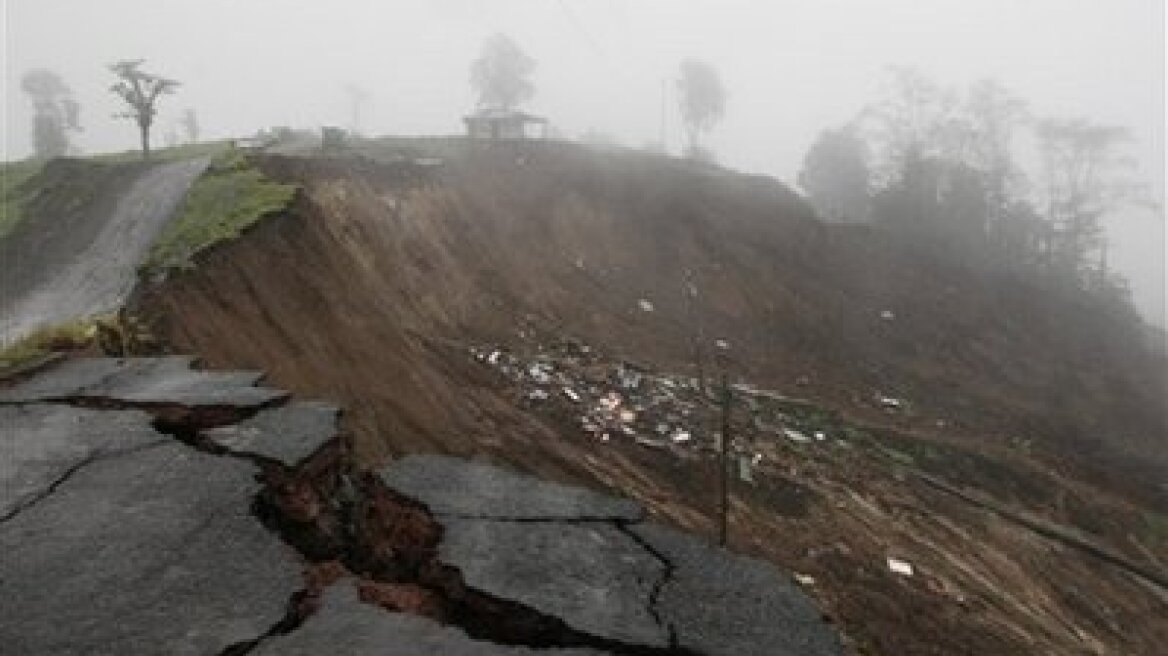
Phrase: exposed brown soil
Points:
(372, 289)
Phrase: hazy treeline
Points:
(944, 169)
(969, 173)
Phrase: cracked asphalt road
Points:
(119, 538)
(589, 559)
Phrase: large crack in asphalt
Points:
(667, 572)
(620, 524)
(392, 539)
(327, 511)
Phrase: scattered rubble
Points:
(621, 401)
(898, 566)
(805, 580)
(609, 401)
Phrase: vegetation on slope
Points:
(15, 190)
(116, 334)
(42, 342)
(168, 154)
(230, 196)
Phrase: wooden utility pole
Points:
(724, 461)
(699, 334)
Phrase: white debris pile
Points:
(618, 400)
(608, 400)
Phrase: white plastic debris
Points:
(820, 436)
(680, 436)
(890, 403)
(493, 358)
(645, 305)
(537, 395)
(756, 459)
(610, 402)
(571, 394)
(540, 373)
(898, 566)
(887, 315)
(629, 379)
(628, 416)
(796, 436)
(804, 579)
(722, 344)
(745, 469)
(648, 442)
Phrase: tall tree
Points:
(141, 91)
(54, 112)
(835, 176)
(190, 125)
(1087, 175)
(501, 76)
(995, 116)
(914, 117)
(702, 100)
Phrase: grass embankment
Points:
(43, 341)
(14, 191)
(167, 154)
(228, 198)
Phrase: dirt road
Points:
(60, 278)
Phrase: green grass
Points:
(230, 196)
(14, 191)
(75, 334)
(171, 154)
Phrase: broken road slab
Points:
(592, 576)
(345, 625)
(451, 486)
(44, 444)
(150, 551)
(549, 548)
(287, 434)
(724, 604)
(167, 380)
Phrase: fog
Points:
(791, 69)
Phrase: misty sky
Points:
(792, 69)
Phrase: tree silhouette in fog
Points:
(501, 75)
(141, 91)
(55, 112)
(702, 100)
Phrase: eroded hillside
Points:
(452, 308)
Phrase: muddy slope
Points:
(573, 241)
(87, 232)
(373, 290)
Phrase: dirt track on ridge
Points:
(78, 253)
